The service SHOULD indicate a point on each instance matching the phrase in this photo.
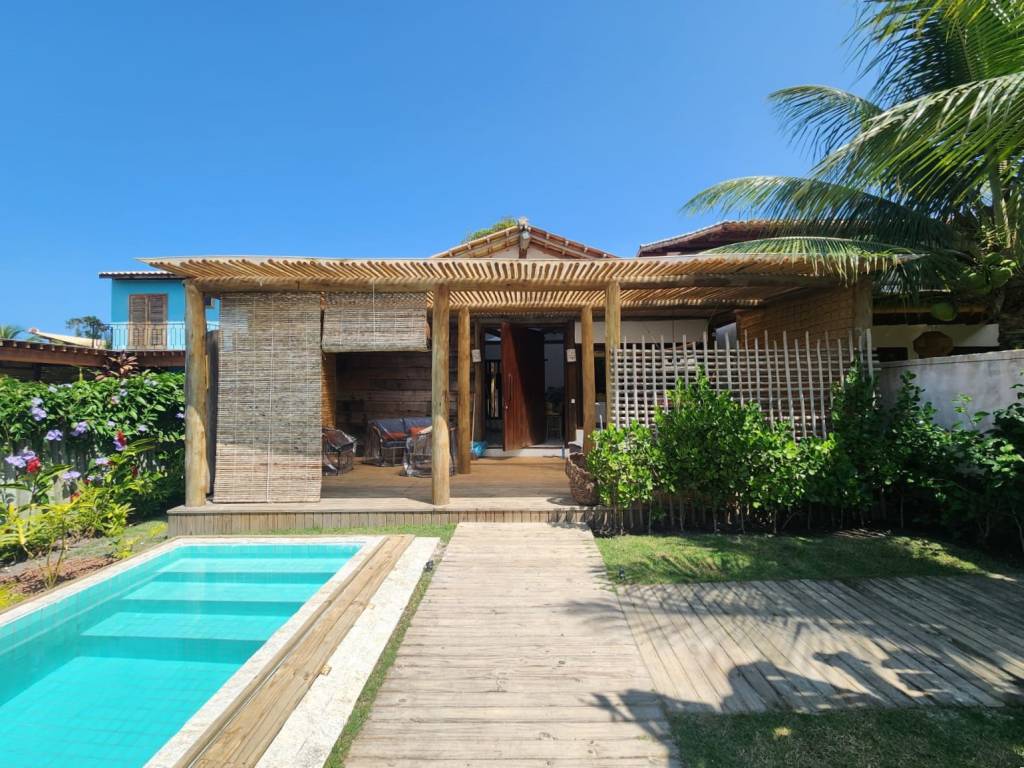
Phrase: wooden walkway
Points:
(817, 645)
(519, 655)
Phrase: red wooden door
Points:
(522, 362)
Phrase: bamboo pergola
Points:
(501, 274)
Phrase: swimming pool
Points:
(107, 674)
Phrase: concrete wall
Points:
(987, 377)
(652, 330)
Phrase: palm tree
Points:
(922, 177)
(11, 331)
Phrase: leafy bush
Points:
(878, 463)
(61, 506)
(75, 423)
(627, 464)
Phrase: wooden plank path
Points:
(817, 645)
(519, 655)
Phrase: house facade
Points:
(521, 339)
(147, 310)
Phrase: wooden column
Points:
(328, 389)
(197, 469)
(465, 419)
(440, 459)
(589, 400)
(612, 338)
(478, 383)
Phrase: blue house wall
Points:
(121, 289)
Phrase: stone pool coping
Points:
(309, 734)
(176, 747)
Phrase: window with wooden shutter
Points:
(147, 320)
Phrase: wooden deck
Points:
(498, 490)
(519, 653)
(242, 734)
(817, 645)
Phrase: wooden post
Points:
(197, 469)
(478, 384)
(589, 394)
(465, 434)
(440, 458)
(612, 339)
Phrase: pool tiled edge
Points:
(32, 622)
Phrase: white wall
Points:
(987, 377)
(651, 330)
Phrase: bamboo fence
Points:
(792, 378)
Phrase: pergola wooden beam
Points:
(440, 457)
(197, 470)
(535, 284)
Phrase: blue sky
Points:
(378, 129)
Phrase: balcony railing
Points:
(144, 336)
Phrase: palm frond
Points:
(821, 117)
(802, 206)
(921, 46)
(896, 268)
(951, 139)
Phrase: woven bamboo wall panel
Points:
(369, 322)
(268, 421)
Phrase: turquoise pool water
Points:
(106, 676)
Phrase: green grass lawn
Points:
(926, 737)
(727, 557)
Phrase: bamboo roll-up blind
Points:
(369, 322)
(268, 420)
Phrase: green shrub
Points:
(627, 463)
(877, 465)
(71, 427)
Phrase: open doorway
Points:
(524, 385)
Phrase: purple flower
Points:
(101, 461)
(110, 425)
(71, 475)
(91, 478)
(180, 415)
(37, 413)
(80, 428)
(28, 455)
(36, 402)
(142, 428)
(54, 434)
(15, 461)
(120, 441)
(114, 399)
